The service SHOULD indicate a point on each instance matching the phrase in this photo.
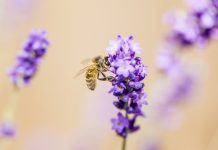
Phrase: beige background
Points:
(57, 112)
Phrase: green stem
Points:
(124, 143)
(125, 138)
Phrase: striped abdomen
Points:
(91, 75)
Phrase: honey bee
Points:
(92, 72)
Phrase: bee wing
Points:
(85, 61)
(88, 60)
(83, 70)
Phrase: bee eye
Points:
(106, 61)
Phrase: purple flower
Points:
(118, 89)
(215, 3)
(112, 49)
(124, 68)
(152, 144)
(197, 26)
(198, 5)
(169, 63)
(7, 130)
(182, 88)
(184, 29)
(134, 46)
(207, 20)
(121, 124)
(127, 84)
(142, 100)
(180, 84)
(29, 58)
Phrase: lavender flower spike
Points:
(29, 58)
(127, 84)
(197, 27)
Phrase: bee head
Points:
(106, 61)
(97, 59)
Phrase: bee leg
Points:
(102, 79)
(108, 78)
(105, 78)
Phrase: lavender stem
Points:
(125, 138)
(124, 143)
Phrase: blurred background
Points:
(58, 112)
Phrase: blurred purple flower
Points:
(167, 62)
(181, 82)
(127, 86)
(152, 146)
(29, 59)
(22, 7)
(215, 3)
(7, 130)
(198, 5)
(197, 26)
(183, 88)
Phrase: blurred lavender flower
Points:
(21, 6)
(127, 86)
(196, 27)
(29, 59)
(167, 62)
(198, 5)
(181, 83)
(215, 3)
(7, 130)
(152, 146)
(178, 90)
(184, 86)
